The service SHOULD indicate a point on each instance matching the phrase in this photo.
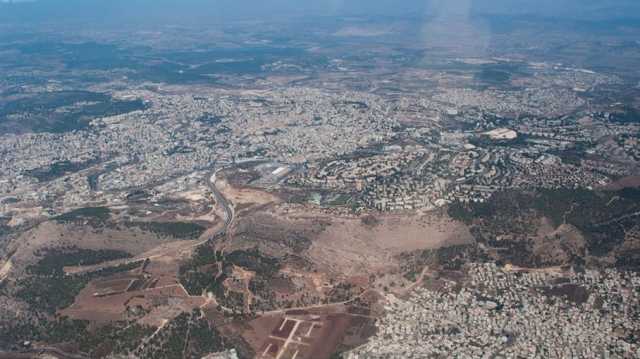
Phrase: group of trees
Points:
(603, 217)
(46, 288)
(208, 269)
(189, 335)
(178, 230)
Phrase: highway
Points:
(222, 202)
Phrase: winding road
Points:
(222, 202)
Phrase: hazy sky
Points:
(186, 10)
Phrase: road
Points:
(222, 202)
(315, 306)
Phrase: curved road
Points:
(221, 201)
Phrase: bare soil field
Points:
(625, 182)
(353, 247)
(154, 289)
(347, 243)
(308, 334)
(331, 257)
(244, 196)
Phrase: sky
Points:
(39, 9)
(186, 11)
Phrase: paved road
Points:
(221, 201)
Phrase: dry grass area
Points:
(625, 182)
(330, 257)
(348, 244)
(55, 235)
(342, 253)
(160, 303)
(244, 197)
(155, 295)
(113, 234)
(558, 245)
(5, 269)
(355, 248)
(22, 215)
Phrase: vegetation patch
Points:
(208, 270)
(626, 115)
(446, 258)
(42, 330)
(47, 288)
(54, 260)
(94, 215)
(202, 272)
(179, 230)
(59, 169)
(118, 338)
(189, 335)
(61, 111)
(509, 219)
